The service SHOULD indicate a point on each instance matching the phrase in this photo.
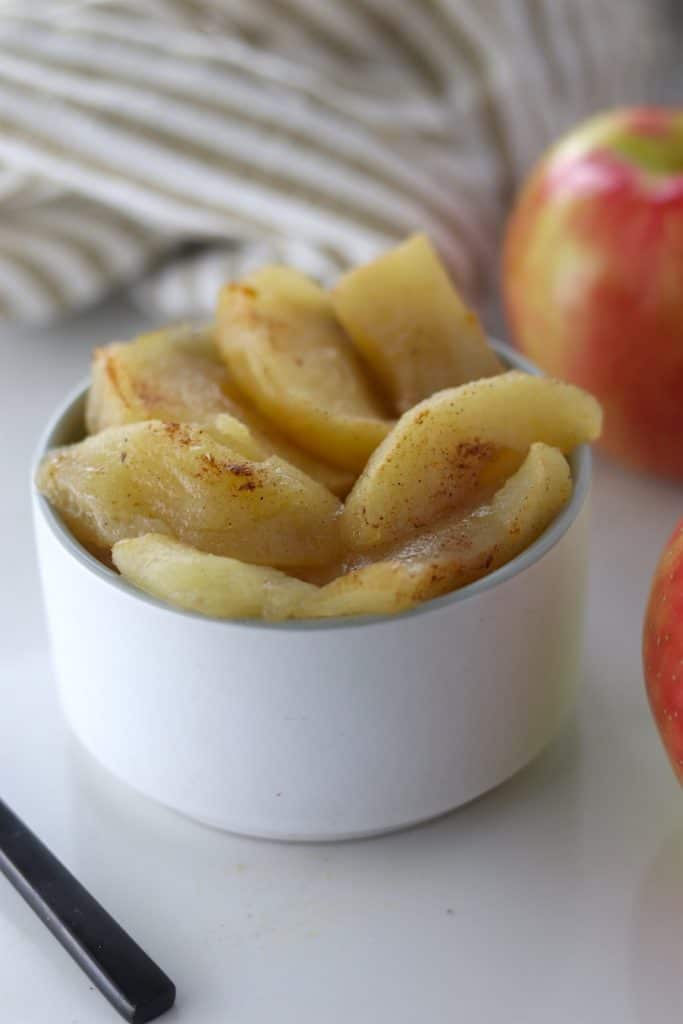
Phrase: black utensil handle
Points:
(123, 972)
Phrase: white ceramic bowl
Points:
(320, 730)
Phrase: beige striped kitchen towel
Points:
(171, 144)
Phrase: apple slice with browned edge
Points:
(177, 375)
(279, 337)
(178, 479)
(457, 551)
(456, 444)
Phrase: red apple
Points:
(593, 276)
(663, 649)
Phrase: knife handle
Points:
(120, 969)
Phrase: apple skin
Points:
(663, 649)
(593, 276)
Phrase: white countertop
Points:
(556, 899)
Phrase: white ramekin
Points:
(321, 730)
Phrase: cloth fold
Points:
(314, 133)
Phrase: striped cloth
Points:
(171, 144)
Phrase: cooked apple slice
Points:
(410, 325)
(154, 477)
(445, 451)
(177, 375)
(457, 551)
(213, 585)
(279, 337)
(173, 374)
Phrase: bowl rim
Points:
(580, 461)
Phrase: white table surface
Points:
(556, 899)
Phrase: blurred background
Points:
(163, 146)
